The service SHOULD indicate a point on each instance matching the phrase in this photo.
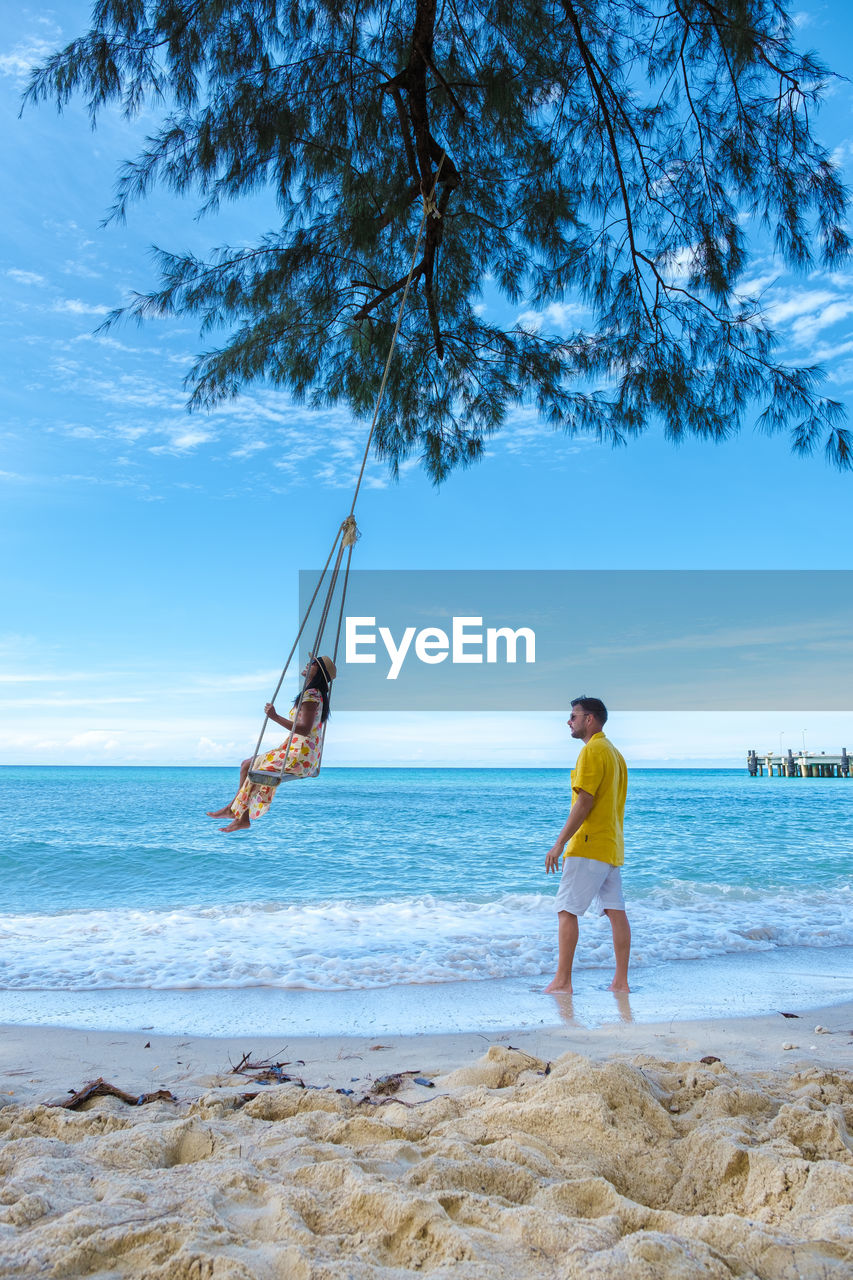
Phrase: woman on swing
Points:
(306, 746)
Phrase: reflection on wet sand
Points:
(565, 1006)
(623, 1004)
(566, 1009)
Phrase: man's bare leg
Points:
(225, 812)
(567, 941)
(621, 948)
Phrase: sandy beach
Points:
(564, 1151)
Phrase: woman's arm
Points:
(304, 720)
(272, 714)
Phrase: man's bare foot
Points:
(239, 824)
(220, 813)
(618, 986)
(556, 986)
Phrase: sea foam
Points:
(344, 945)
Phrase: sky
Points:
(143, 619)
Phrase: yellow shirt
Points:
(602, 772)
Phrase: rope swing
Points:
(345, 539)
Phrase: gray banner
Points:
(504, 640)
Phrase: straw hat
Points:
(327, 667)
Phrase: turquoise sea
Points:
(117, 892)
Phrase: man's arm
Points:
(578, 814)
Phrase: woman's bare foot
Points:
(219, 813)
(239, 824)
(620, 984)
(556, 985)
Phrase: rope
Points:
(348, 533)
(302, 626)
(430, 207)
(343, 602)
(319, 636)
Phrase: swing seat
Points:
(268, 778)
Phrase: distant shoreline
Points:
(422, 768)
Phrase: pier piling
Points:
(806, 764)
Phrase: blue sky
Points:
(137, 624)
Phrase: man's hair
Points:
(594, 706)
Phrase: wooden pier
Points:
(805, 764)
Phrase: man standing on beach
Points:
(592, 845)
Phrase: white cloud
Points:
(806, 312)
(756, 285)
(558, 316)
(68, 227)
(43, 677)
(218, 683)
(804, 302)
(208, 751)
(250, 448)
(525, 433)
(184, 441)
(103, 340)
(807, 327)
(174, 721)
(61, 702)
(72, 268)
(28, 53)
(96, 740)
(842, 374)
(832, 350)
(130, 433)
(122, 389)
(805, 634)
(74, 306)
(25, 277)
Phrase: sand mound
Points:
(641, 1171)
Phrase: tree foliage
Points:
(615, 155)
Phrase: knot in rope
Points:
(350, 532)
(431, 209)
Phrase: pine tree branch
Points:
(389, 292)
(394, 89)
(584, 150)
(451, 95)
(614, 149)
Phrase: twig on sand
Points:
(266, 1071)
(546, 1070)
(392, 1084)
(100, 1088)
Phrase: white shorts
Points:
(586, 878)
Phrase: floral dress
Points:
(303, 762)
